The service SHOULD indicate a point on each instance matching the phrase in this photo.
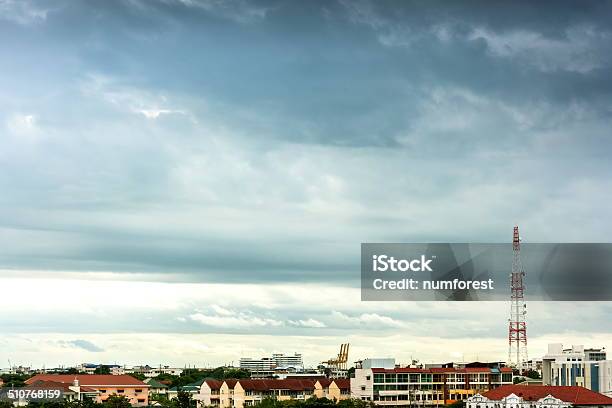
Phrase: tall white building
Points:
(577, 366)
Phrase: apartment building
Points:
(577, 366)
(537, 396)
(266, 367)
(385, 384)
(250, 392)
(136, 391)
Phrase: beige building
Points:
(248, 393)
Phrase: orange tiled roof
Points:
(343, 383)
(214, 384)
(52, 385)
(99, 380)
(574, 395)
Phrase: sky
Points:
(189, 181)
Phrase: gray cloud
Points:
(83, 344)
(266, 149)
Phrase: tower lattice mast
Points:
(517, 328)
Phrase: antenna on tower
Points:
(517, 328)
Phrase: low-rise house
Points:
(156, 387)
(136, 391)
(537, 396)
(193, 389)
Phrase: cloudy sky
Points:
(188, 181)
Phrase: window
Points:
(363, 388)
(120, 391)
(138, 390)
(367, 378)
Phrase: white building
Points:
(385, 384)
(537, 396)
(283, 360)
(152, 372)
(267, 366)
(577, 366)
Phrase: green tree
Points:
(185, 400)
(102, 369)
(138, 376)
(14, 380)
(456, 404)
(269, 402)
(117, 401)
(532, 374)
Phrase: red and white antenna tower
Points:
(517, 328)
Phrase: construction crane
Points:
(339, 362)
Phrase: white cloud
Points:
(155, 113)
(234, 320)
(151, 105)
(373, 320)
(313, 323)
(22, 124)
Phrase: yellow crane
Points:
(339, 362)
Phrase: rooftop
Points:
(90, 379)
(573, 394)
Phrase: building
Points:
(90, 368)
(381, 381)
(517, 396)
(208, 394)
(152, 372)
(531, 365)
(155, 387)
(250, 392)
(136, 391)
(193, 389)
(71, 391)
(266, 367)
(577, 366)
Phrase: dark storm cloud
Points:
(262, 141)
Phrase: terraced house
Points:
(247, 392)
(383, 383)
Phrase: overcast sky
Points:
(188, 181)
